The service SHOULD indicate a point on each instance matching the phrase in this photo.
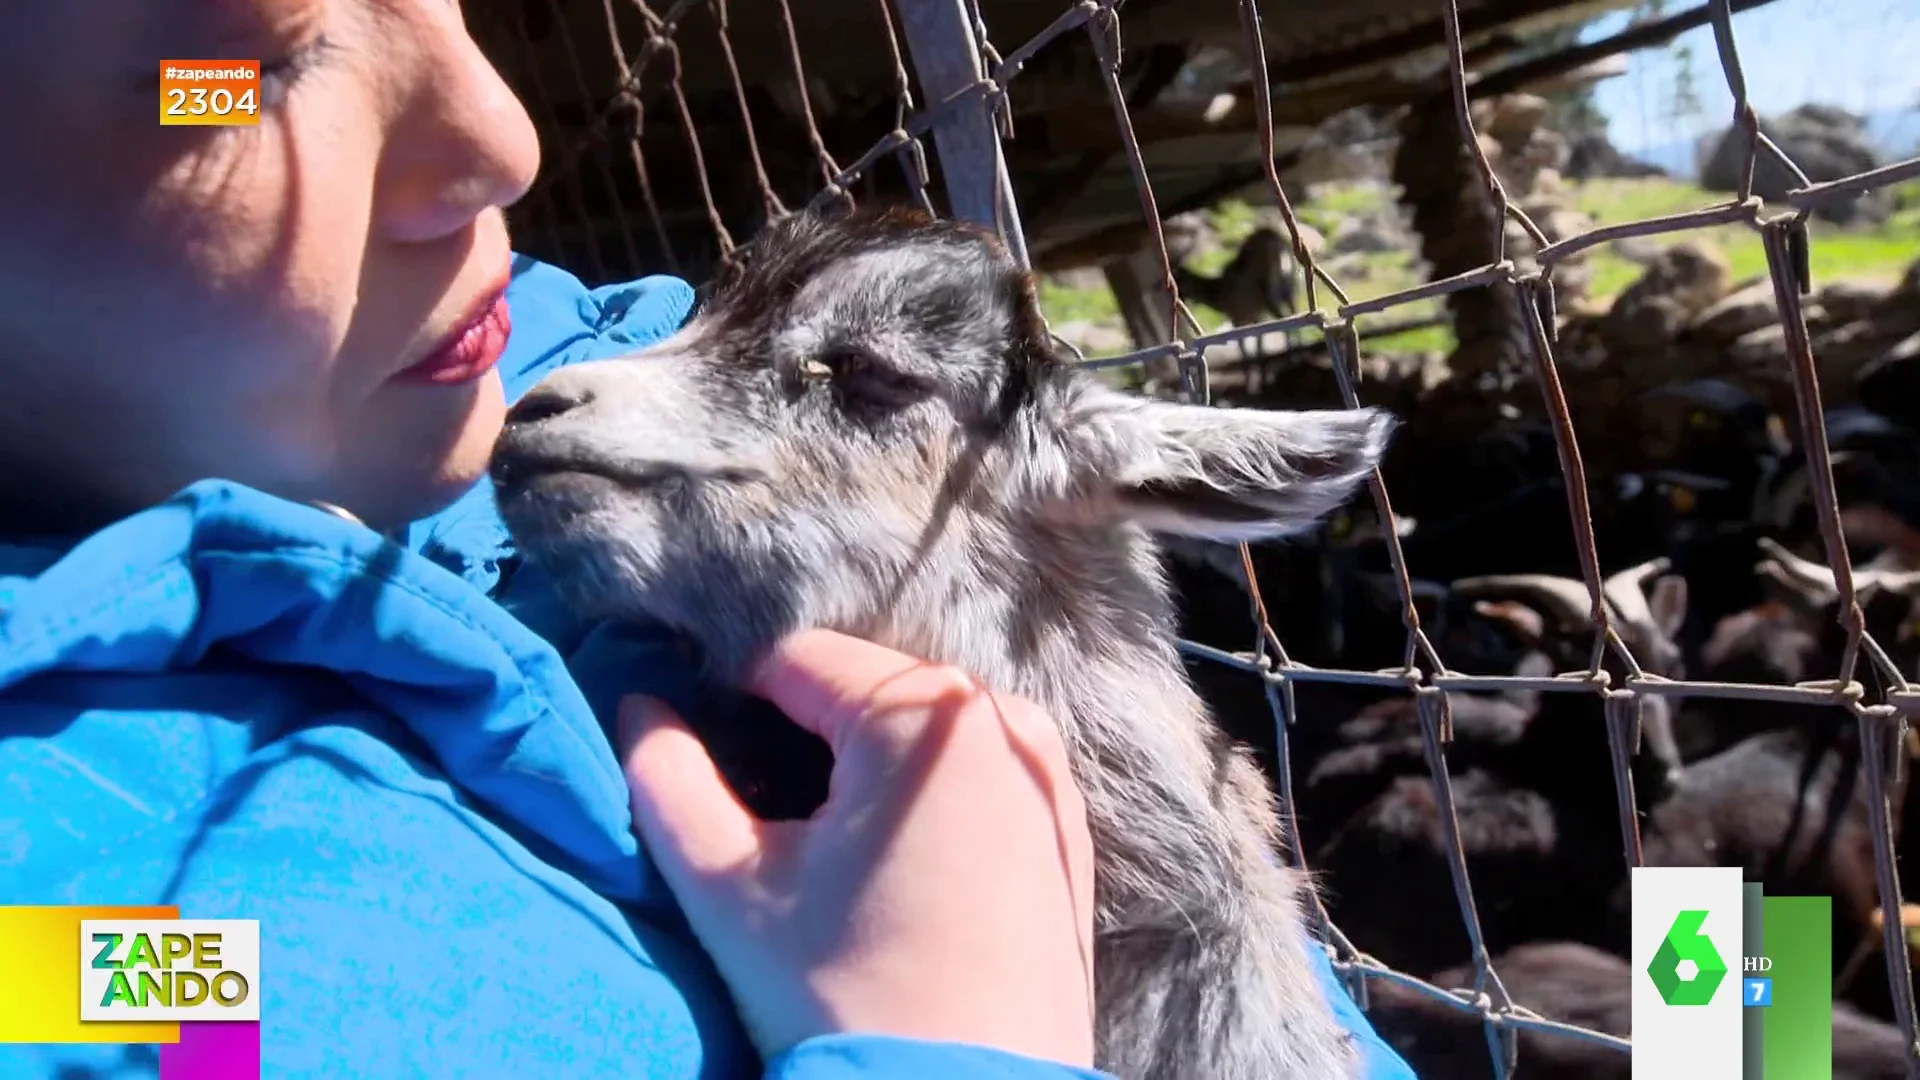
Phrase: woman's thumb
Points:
(690, 820)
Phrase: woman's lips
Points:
(471, 352)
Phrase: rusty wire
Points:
(1423, 673)
(606, 173)
(769, 199)
(912, 154)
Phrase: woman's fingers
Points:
(942, 892)
(827, 682)
(690, 818)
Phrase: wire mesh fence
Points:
(964, 110)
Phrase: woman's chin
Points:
(449, 454)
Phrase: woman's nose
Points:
(463, 144)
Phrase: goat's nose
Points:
(545, 403)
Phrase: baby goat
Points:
(866, 428)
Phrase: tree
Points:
(1686, 104)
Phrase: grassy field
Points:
(1877, 254)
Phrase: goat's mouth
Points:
(518, 470)
(523, 470)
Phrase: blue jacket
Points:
(253, 709)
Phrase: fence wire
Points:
(1881, 723)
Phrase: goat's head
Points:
(870, 406)
(1554, 615)
(1552, 618)
(1770, 643)
(1888, 594)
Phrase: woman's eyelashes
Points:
(278, 78)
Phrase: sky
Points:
(1862, 55)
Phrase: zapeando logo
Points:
(1686, 945)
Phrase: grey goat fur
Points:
(865, 427)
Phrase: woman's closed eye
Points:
(278, 77)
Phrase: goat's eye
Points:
(862, 378)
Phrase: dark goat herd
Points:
(1712, 553)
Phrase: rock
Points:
(1515, 116)
(1094, 339)
(1490, 146)
(1640, 250)
(1354, 144)
(1544, 150)
(1231, 355)
(1679, 284)
(1592, 157)
(1851, 301)
(1896, 312)
(1537, 205)
(1746, 309)
(1896, 317)
(1324, 162)
(1571, 275)
(1348, 266)
(1694, 272)
(1910, 282)
(1367, 235)
(1530, 165)
(1580, 337)
(1315, 240)
(1841, 353)
(1081, 278)
(1825, 142)
(1210, 70)
(1480, 111)
(1562, 223)
(1188, 235)
(1572, 279)
(1760, 349)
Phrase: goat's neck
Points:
(1080, 622)
(1076, 619)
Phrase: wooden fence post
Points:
(1145, 307)
(947, 58)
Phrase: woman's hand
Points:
(944, 891)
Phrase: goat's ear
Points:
(1228, 475)
(1668, 602)
(1793, 591)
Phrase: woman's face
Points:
(253, 303)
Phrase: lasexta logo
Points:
(1685, 946)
